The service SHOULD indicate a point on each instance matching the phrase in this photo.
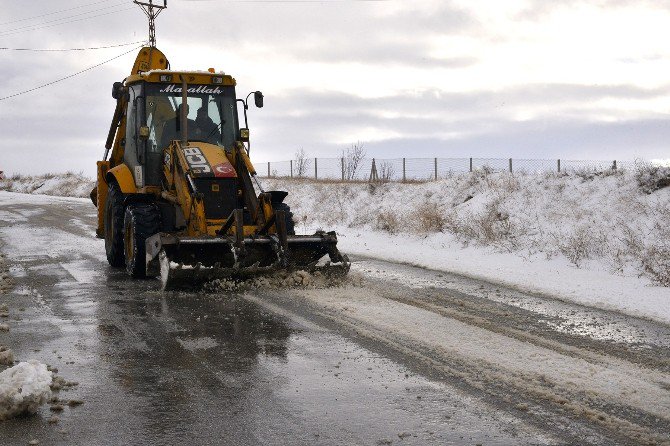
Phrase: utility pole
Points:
(152, 10)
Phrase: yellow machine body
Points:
(174, 190)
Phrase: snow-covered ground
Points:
(600, 239)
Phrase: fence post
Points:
(291, 162)
(374, 178)
(404, 177)
(268, 169)
(316, 170)
(470, 164)
(342, 161)
(510, 165)
(559, 165)
(614, 165)
(435, 169)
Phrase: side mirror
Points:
(244, 135)
(117, 90)
(258, 99)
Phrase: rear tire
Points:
(290, 224)
(113, 221)
(141, 222)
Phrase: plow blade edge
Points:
(187, 262)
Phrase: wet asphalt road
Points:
(278, 367)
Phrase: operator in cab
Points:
(205, 129)
(172, 128)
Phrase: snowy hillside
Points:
(610, 220)
(67, 184)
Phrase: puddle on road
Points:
(560, 316)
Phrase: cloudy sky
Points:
(424, 78)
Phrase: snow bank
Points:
(594, 220)
(65, 185)
(23, 389)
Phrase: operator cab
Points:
(153, 119)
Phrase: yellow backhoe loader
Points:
(175, 188)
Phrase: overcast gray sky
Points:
(522, 79)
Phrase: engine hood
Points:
(206, 161)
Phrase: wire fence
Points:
(422, 169)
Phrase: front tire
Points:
(141, 222)
(114, 225)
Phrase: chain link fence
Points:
(423, 169)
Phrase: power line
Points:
(72, 49)
(69, 76)
(61, 19)
(53, 13)
(38, 26)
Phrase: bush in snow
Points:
(387, 221)
(430, 217)
(651, 178)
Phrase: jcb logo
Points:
(196, 160)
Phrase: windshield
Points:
(212, 115)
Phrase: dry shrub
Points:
(352, 158)
(388, 221)
(651, 178)
(575, 246)
(656, 263)
(494, 227)
(430, 217)
(589, 174)
(583, 243)
(301, 163)
(386, 172)
(655, 257)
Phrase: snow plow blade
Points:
(188, 262)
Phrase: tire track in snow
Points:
(618, 397)
(593, 352)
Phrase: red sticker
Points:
(224, 170)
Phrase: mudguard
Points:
(123, 177)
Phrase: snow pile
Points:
(23, 389)
(606, 221)
(65, 185)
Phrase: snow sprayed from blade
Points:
(24, 388)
